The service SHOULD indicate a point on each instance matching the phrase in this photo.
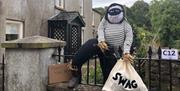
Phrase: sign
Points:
(170, 54)
(59, 73)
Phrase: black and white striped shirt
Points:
(116, 35)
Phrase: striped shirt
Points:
(116, 35)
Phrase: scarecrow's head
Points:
(115, 13)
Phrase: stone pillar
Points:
(27, 62)
(2, 25)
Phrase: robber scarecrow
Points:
(113, 42)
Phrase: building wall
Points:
(96, 21)
(88, 31)
(72, 5)
(33, 13)
(75, 5)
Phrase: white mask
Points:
(115, 14)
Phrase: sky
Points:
(102, 3)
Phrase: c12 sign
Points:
(170, 54)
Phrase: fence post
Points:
(159, 67)
(87, 80)
(59, 54)
(149, 66)
(170, 73)
(95, 69)
(3, 74)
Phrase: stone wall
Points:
(165, 75)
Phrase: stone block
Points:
(33, 42)
(175, 81)
(27, 62)
(27, 69)
(63, 87)
(178, 75)
(176, 88)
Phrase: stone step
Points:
(81, 87)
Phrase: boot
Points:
(75, 80)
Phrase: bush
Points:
(99, 76)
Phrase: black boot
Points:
(75, 80)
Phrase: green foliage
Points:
(139, 14)
(177, 44)
(165, 18)
(138, 17)
(159, 23)
(99, 76)
(143, 40)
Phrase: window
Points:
(82, 7)
(14, 30)
(59, 4)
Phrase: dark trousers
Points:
(88, 50)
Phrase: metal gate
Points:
(75, 39)
(57, 30)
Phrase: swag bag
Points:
(123, 77)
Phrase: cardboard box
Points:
(58, 73)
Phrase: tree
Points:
(142, 39)
(165, 19)
(139, 14)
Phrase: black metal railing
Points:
(2, 75)
(144, 66)
(149, 68)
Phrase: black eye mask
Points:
(114, 11)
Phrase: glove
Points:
(103, 46)
(72, 67)
(128, 57)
